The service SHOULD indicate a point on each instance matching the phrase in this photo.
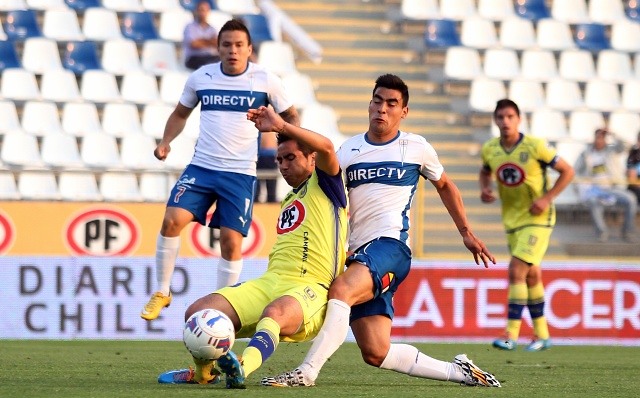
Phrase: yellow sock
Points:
(263, 343)
(517, 301)
(203, 370)
(536, 309)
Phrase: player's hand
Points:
(478, 249)
(538, 206)
(265, 119)
(162, 151)
(487, 196)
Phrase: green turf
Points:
(129, 369)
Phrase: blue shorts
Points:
(389, 262)
(198, 189)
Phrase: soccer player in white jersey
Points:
(223, 168)
(382, 169)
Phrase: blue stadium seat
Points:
(441, 33)
(192, 4)
(258, 26)
(81, 5)
(632, 9)
(21, 24)
(533, 10)
(80, 56)
(591, 37)
(138, 26)
(8, 56)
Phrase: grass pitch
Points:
(111, 369)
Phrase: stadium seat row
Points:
(156, 6)
(101, 24)
(559, 94)
(85, 186)
(520, 34)
(464, 63)
(570, 11)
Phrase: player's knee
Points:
(170, 227)
(373, 358)
(339, 289)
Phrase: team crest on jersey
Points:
(291, 217)
(524, 156)
(510, 174)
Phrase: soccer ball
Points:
(208, 334)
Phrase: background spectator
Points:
(200, 42)
(633, 169)
(602, 184)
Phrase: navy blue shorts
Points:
(198, 189)
(389, 262)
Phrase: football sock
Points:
(228, 272)
(166, 254)
(536, 309)
(331, 336)
(517, 301)
(404, 358)
(263, 343)
(202, 373)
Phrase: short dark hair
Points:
(393, 82)
(506, 103)
(235, 24)
(303, 148)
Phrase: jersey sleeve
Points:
(278, 97)
(333, 187)
(189, 98)
(431, 167)
(546, 153)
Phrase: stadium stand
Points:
(591, 36)
(138, 26)
(21, 24)
(121, 119)
(60, 151)
(9, 120)
(61, 25)
(101, 24)
(78, 186)
(60, 86)
(40, 55)
(606, 11)
(80, 117)
(533, 10)
(8, 186)
(80, 56)
(81, 6)
(517, 33)
(99, 86)
(40, 118)
(8, 56)
(38, 185)
(495, 10)
(120, 187)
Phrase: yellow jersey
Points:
(312, 231)
(521, 175)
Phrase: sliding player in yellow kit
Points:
(289, 301)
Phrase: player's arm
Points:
(564, 179)
(175, 125)
(290, 115)
(266, 119)
(486, 185)
(452, 200)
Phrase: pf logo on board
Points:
(102, 232)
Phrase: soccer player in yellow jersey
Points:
(289, 301)
(519, 164)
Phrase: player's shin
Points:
(536, 309)
(331, 336)
(263, 343)
(404, 358)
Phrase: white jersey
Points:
(227, 140)
(382, 180)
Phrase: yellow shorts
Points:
(250, 298)
(529, 244)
